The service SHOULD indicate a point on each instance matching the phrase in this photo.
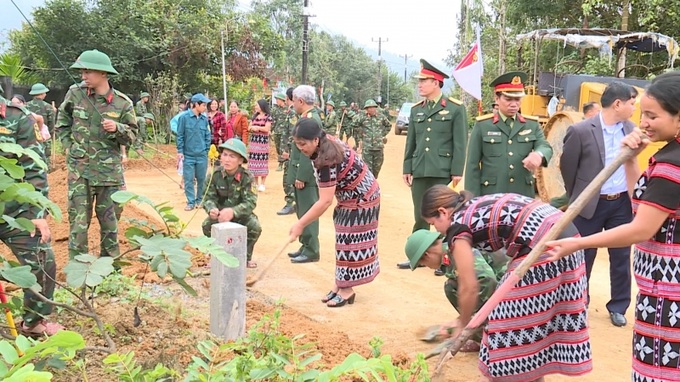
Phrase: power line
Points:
(406, 57)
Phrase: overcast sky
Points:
(409, 27)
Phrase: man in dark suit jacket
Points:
(588, 147)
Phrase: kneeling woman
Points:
(540, 327)
(341, 172)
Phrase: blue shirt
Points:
(613, 135)
(175, 121)
(193, 135)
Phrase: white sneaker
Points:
(260, 188)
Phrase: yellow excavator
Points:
(558, 99)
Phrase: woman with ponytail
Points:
(540, 327)
(342, 173)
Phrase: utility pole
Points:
(305, 39)
(224, 76)
(501, 39)
(406, 57)
(379, 41)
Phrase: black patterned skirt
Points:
(540, 327)
(356, 241)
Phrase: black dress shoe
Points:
(406, 265)
(618, 319)
(438, 272)
(294, 254)
(287, 210)
(304, 259)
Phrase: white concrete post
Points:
(228, 285)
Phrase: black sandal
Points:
(340, 301)
(329, 296)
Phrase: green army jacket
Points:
(43, 109)
(93, 153)
(330, 124)
(19, 127)
(281, 124)
(370, 130)
(495, 154)
(231, 191)
(436, 139)
(300, 166)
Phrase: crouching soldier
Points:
(231, 195)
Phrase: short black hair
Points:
(588, 106)
(665, 89)
(289, 93)
(617, 90)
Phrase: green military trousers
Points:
(39, 256)
(374, 159)
(288, 189)
(82, 199)
(304, 199)
(253, 229)
(418, 188)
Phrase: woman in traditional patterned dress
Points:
(540, 326)
(655, 231)
(340, 171)
(258, 149)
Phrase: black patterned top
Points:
(511, 221)
(351, 178)
(657, 261)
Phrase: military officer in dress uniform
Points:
(506, 147)
(435, 140)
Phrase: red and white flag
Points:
(469, 71)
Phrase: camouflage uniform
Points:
(93, 160)
(346, 123)
(17, 126)
(140, 138)
(371, 131)
(287, 143)
(330, 124)
(44, 109)
(279, 129)
(237, 192)
(140, 108)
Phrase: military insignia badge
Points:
(493, 133)
(444, 112)
(516, 80)
(112, 114)
(4, 130)
(36, 130)
(524, 132)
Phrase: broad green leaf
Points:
(8, 352)
(256, 374)
(187, 288)
(122, 197)
(309, 360)
(280, 358)
(133, 231)
(162, 269)
(21, 275)
(23, 343)
(88, 270)
(3, 370)
(27, 373)
(15, 171)
(5, 181)
(310, 375)
(22, 224)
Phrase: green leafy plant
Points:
(23, 359)
(126, 369)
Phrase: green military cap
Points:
(144, 94)
(417, 244)
(343, 104)
(280, 96)
(187, 95)
(38, 89)
(510, 84)
(330, 103)
(370, 103)
(235, 145)
(429, 71)
(94, 60)
(149, 116)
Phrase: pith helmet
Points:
(235, 145)
(417, 244)
(38, 89)
(144, 94)
(343, 104)
(94, 60)
(280, 96)
(330, 103)
(370, 103)
(149, 116)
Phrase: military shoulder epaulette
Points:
(121, 94)
(531, 117)
(422, 101)
(483, 117)
(456, 101)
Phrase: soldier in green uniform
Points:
(435, 141)
(94, 121)
(330, 124)
(301, 176)
(505, 148)
(231, 195)
(143, 122)
(370, 132)
(427, 248)
(346, 116)
(38, 106)
(280, 127)
(18, 126)
(140, 107)
(286, 143)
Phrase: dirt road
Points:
(399, 304)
